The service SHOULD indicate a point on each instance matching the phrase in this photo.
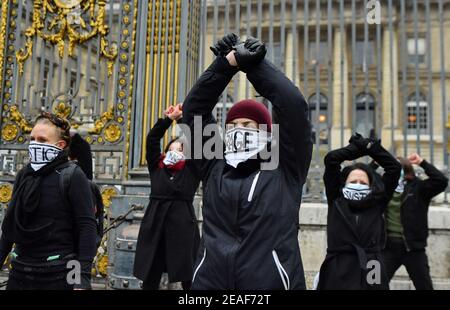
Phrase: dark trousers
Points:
(158, 267)
(415, 261)
(19, 281)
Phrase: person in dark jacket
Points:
(250, 214)
(169, 236)
(356, 202)
(407, 221)
(48, 233)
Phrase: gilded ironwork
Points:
(107, 194)
(133, 39)
(108, 125)
(19, 119)
(63, 110)
(3, 26)
(10, 132)
(5, 192)
(64, 18)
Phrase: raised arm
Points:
(153, 150)
(290, 113)
(392, 168)
(332, 175)
(436, 183)
(200, 103)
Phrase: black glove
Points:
(225, 45)
(249, 53)
(363, 144)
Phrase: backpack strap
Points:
(64, 181)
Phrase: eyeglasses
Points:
(56, 120)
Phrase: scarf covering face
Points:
(41, 154)
(242, 144)
(356, 191)
(21, 225)
(173, 157)
(177, 165)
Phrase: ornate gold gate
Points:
(110, 66)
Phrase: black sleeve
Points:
(153, 150)
(373, 164)
(392, 168)
(5, 248)
(200, 102)
(6, 245)
(291, 113)
(80, 150)
(332, 175)
(435, 184)
(80, 199)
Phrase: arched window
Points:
(417, 113)
(318, 113)
(364, 114)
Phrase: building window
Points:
(318, 57)
(365, 114)
(416, 55)
(318, 113)
(365, 53)
(417, 108)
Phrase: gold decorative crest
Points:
(5, 192)
(65, 19)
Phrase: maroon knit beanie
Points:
(253, 110)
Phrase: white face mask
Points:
(173, 157)
(242, 144)
(353, 191)
(41, 154)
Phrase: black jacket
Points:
(170, 216)
(73, 228)
(354, 230)
(250, 228)
(416, 199)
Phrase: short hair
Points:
(408, 170)
(62, 125)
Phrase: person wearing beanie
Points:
(168, 236)
(250, 213)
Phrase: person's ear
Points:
(62, 144)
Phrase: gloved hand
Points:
(249, 53)
(363, 144)
(225, 45)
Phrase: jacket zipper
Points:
(252, 189)
(283, 275)
(199, 265)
